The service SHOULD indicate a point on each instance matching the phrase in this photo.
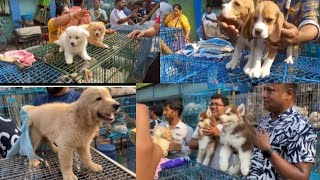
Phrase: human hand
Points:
(174, 147)
(231, 28)
(136, 33)
(81, 13)
(212, 131)
(134, 13)
(186, 39)
(262, 140)
(290, 35)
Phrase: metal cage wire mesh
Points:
(17, 168)
(113, 65)
(146, 48)
(173, 38)
(182, 69)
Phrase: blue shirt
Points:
(291, 136)
(127, 11)
(69, 97)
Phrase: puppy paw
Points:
(69, 61)
(106, 46)
(231, 65)
(255, 73)
(69, 177)
(289, 60)
(234, 170)
(60, 49)
(223, 166)
(265, 73)
(206, 162)
(246, 69)
(95, 167)
(87, 58)
(199, 160)
(33, 163)
(244, 171)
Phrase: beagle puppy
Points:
(265, 24)
(239, 11)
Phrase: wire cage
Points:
(128, 104)
(113, 65)
(173, 38)
(17, 168)
(12, 100)
(182, 69)
(146, 48)
(38, 73)
(131, 156)
(316, 166)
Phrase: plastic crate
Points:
(27, 17)
(182, 69)
(38, 73)
(173, 37)
(113, 65)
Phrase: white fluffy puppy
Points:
(74, 42)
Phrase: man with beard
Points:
(217, 107)
(117, 16)
(285, 141)
(57, 94)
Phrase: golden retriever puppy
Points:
(96, 31)
(72, 126)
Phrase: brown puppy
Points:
(72, 126)
(97, 31)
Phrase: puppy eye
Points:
(99, 99)
(269, 20)
(70, 37)
(99, 29)
(228, 114)
(255, 18)
(236, 3)
(77, 37)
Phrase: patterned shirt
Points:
(292, 137)
(301, 12)
(9, 134)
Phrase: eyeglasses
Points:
(215, 104)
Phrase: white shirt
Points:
(164, 8)
(115, 16)
(181, 134)
(215, 161)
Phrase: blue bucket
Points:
(314, 176)
(109, 150)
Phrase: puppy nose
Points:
(258, 31)
(97, 34)
(116, 106)
(72, 43)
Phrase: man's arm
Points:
(65, 19)
(128, 18)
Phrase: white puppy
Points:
(74, 42)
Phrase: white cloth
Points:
(115, 16)
(211, 16)
(215, 161)
(181, 134)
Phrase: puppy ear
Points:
(241, 109)
(84, 116)
(246, 30)
(86, 33)
(276, 33)
(209, 113)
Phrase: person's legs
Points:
(199, 33)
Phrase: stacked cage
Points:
(172, 38)
(113, 65)
(12, 100)
(146, 49)
(199, 70)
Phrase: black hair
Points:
(177, 6)
(59, 8)
(174, 105)
(293, 86)
(77, 2)
(157, 109)
(223, 98)
(208, 5)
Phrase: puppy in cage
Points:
(96, 31)
(70, 126)
(207, 144)
(74, 42)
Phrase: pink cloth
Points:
(25, 58)
(162, 160)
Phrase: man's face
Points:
(169, 113)
(273, 97)
(209, 10)
(54, 90)
(217, 107)
(96, 4)
(122, 4)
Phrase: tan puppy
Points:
(97, 31)
(265, 24)
(162, 136)
(72, 126)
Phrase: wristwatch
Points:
(267, 153)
